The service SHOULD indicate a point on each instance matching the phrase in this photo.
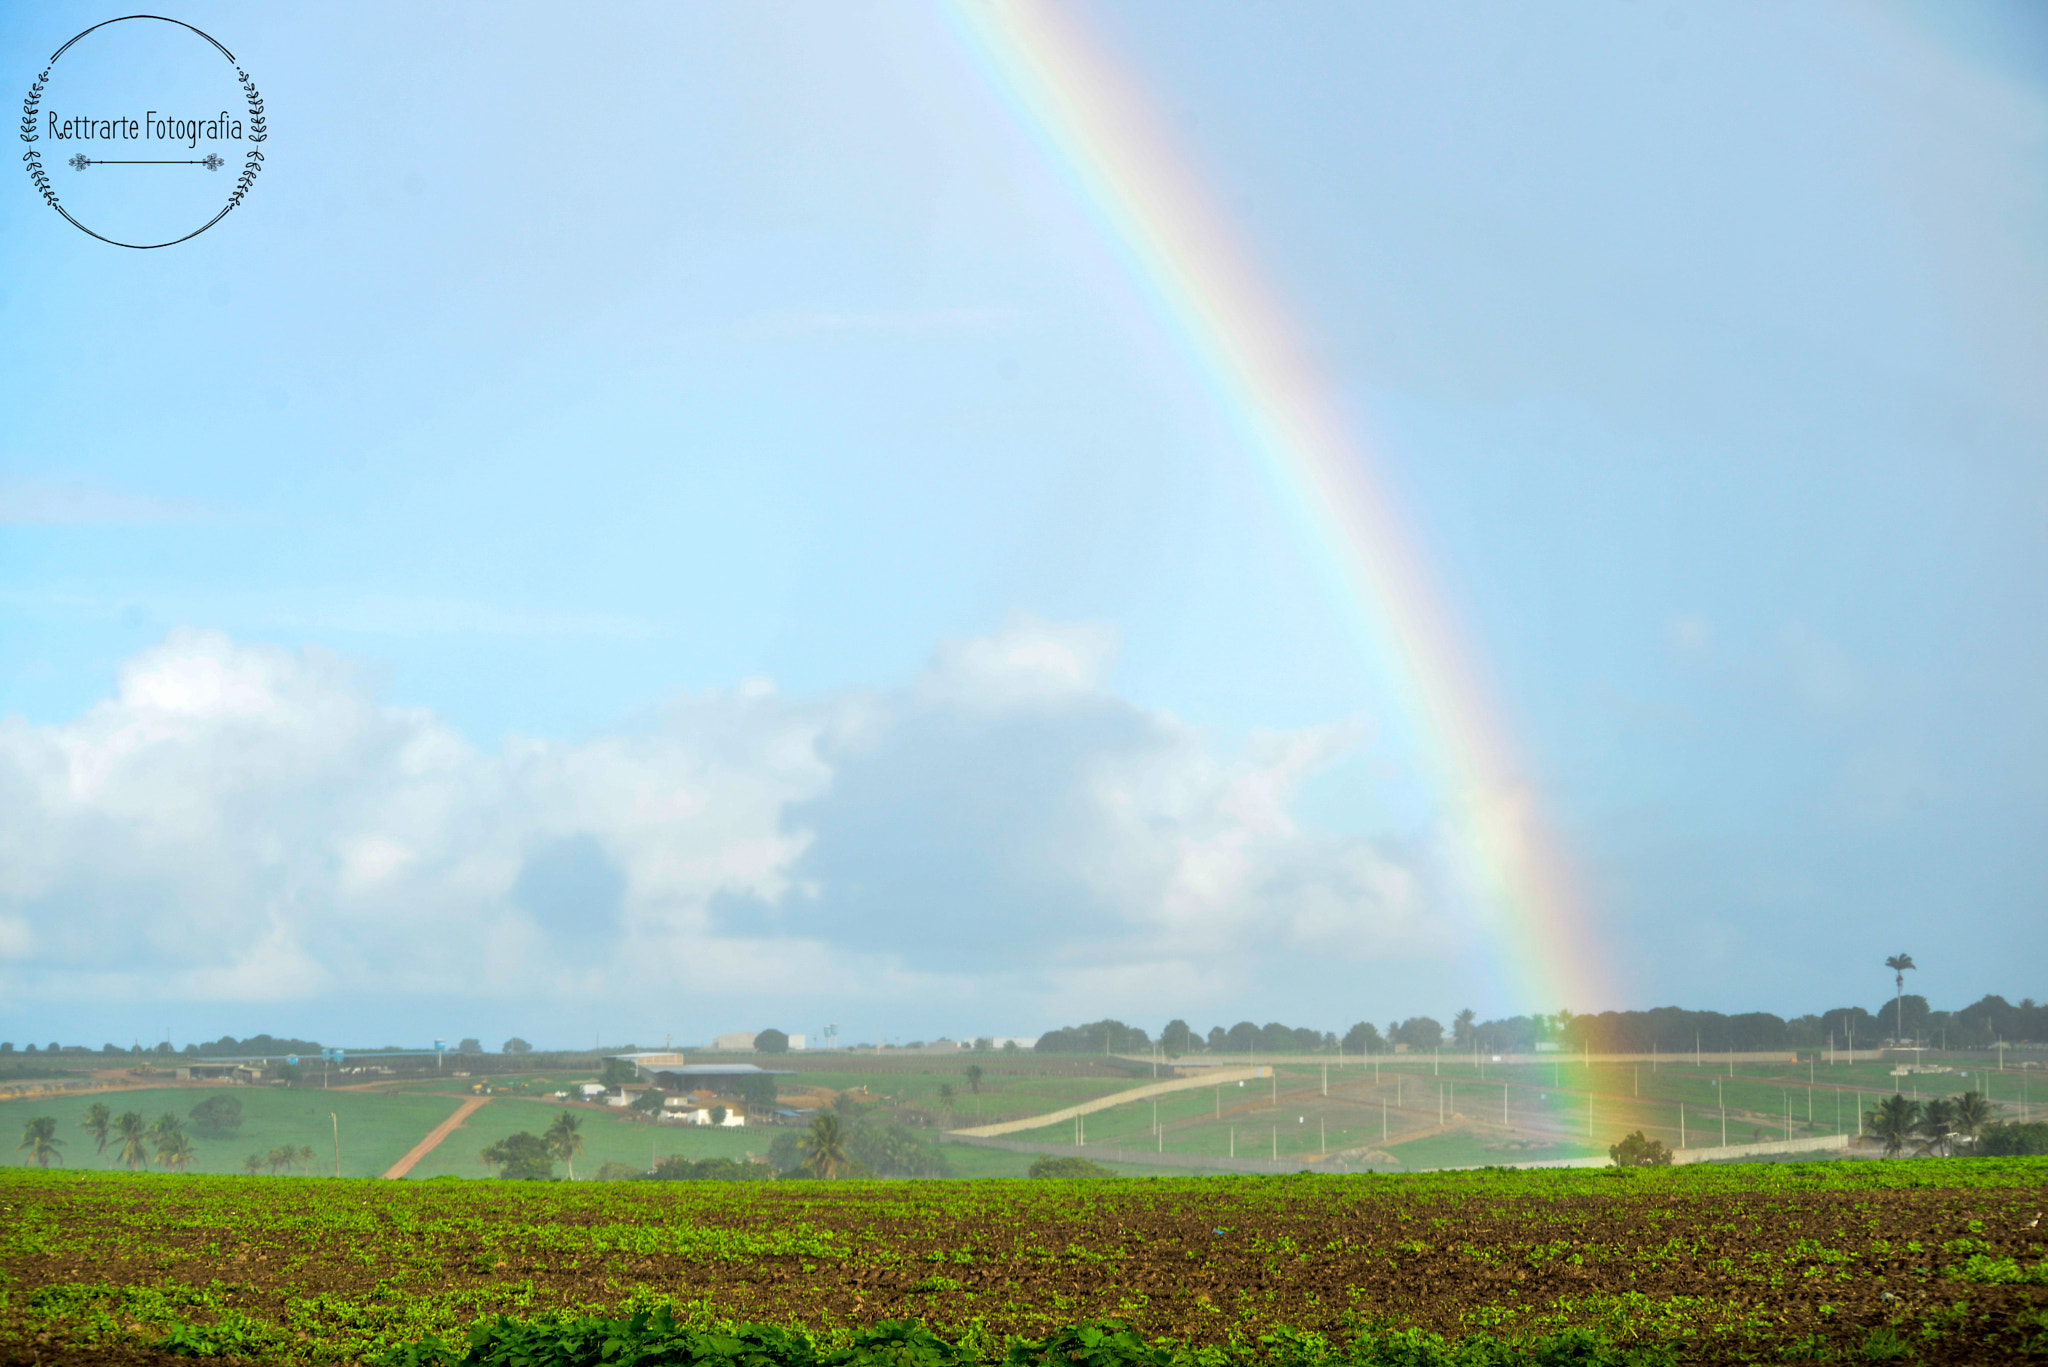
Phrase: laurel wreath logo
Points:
(252, 164)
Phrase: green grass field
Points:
(376, 1130)
(1439, 1113)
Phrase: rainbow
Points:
(1087, 116)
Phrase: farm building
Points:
(218, 1072)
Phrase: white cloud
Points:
(242, 823)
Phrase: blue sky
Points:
(682, 522)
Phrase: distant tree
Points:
(564, 1142)
(617, 1073)
(718, 1115)
(175, 1151)
(1071, 1169)
(1243, 1038)
(165, 1125)
(281, 1157)
(217, 1117)
(516, 1045)
(649, 1102)
(974, 1078)
(1898, 964)
(1893, 1120)
(1972, 1114)
(39, 1137)
(522, 1157)
(1010, 1047)
(1176, 1039)
(754, 1089)
(1363, 1038)
(2012, 1139)
(1419, 1033)
(133, 1132)
(306, 1158)
(99, 1123)
(1217, 1038)
(824, 1148)
(1638, 1151)
(771, 1042)
(1463, 1028)
(946, 1095)
(253, 1164)
(470, 1046)
(1938, 1124)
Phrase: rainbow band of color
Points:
(1085, 114)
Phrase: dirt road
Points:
(435, 1136)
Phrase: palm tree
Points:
(253, 1164)
(133, 1132)
(175, 1151)
(1461, 1026)
(974, 1077)
(1973, 1113)
(99, 1120)
(1893, 1120)
(304, 1158)
(281, 1157)
(1938, 1122)
(1898, 964)
(824, 1147)
(166, 1125)
(39, 1137)
(563, 1140)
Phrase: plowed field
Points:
(1726, 1263)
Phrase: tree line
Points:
(1668, 1029)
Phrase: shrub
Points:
(523, 1156)
(217, 1117)
(2011, 1139)
(1638, 1151)
(1045, 1165)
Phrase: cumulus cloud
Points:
(243, 823)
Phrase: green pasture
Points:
(608, 1137)
(376, 1130)
(1444, 1112)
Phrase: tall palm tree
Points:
(304, 1158)
(253, 1164)
(1972, 1114)
(1893, 1120)
(563, 1140)
(281, 1157)
(1898, 964)
(1461, 1026)
(1938, 1123)
(39, 1137)
(824, 1147)
(166, 1125)
(98, 1122)
(133, 1132)
(175, 1151)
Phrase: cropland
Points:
(1936, 1261)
